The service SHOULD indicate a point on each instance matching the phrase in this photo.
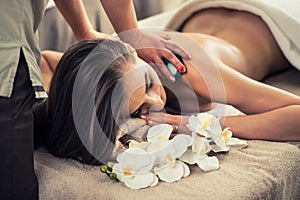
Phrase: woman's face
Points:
(144, 89)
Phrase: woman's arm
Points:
(281, 124)
(223, 84)
(253, 97)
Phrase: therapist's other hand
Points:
(152, 49)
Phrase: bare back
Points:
(240, 40)
(245, 31)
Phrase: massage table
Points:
(263, 170)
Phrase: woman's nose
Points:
(154, 101)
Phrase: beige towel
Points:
(263, 170)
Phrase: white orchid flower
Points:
(167, 167)
(172, 172)
(134, 168)
(208, 135)
(230, 142)
(138, 166)
(233, 142)
(161, 132)
(143, 163)
(205, 124)
(198, 154)
(166, 151)
(209, 126)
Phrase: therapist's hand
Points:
(152, 49)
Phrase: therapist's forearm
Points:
(121, 14)
(74, 13)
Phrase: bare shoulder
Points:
(49, 61)
(52, 58)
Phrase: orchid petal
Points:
(137, 158)
(143, 145)
(208, 163)
(206, 125)
(193, 124)
(159, 132)
(155, 181)
(220, 145)
(186, 139)
(237, 143)
(214, 130)
(201, 145)
(135, 150)
(186, 169)
(226, 134)
(203, 133)
(170, 174)
(218, 149)
(117, 168)
(180, 144)
(167, 152)
(132, 143)
(157, 145)
(189, 157)
(140, 181)
(164, 158)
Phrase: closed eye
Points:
(149, 85)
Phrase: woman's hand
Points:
(152, 49)
(178, 122)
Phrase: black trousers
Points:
(17, 176)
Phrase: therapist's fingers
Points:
(169, 54)
(164, 72)
(166, 37)
(177, 63)
(153, 57)
(174, 47)
(177, 49)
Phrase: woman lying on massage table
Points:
(271, 113)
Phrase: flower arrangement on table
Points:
(143, 164)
